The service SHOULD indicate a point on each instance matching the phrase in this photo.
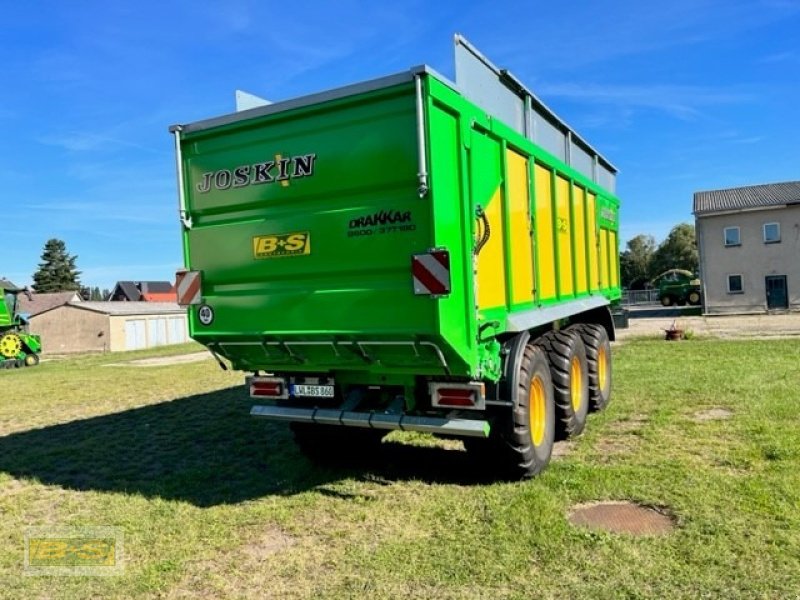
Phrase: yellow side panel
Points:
(564, 237)
(545, 245)
(594, 265)
(613, 252)
(579, 231)
(604, 258)
(491, 260)
(521, 246)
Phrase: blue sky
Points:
(681, 96)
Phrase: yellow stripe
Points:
(613, 252)
(603, 258)
(491, 260)
(564, 228)
(578, 210)
(521, 248)
(545, 248)
(591, 217)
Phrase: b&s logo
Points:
(384, 221)
(284, 244)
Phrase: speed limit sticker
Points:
(205, 314)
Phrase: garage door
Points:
(135, 334)
(157, 331)
(177, 330)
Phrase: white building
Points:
(749, 242)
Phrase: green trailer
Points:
(396, 255)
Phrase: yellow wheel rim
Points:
(10, 345)
(602, 368)
(537, 410)
(576, 383)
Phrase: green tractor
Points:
(18, 348)
(677, 286)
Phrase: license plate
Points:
(313, 391)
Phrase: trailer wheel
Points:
(567, 357)
(598, 361)
(694, 298)
(31, 360)
(330, 443)
(666, 300)
(529, 439)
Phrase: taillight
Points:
(267, 387)
(469, 395)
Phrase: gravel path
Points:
(728, 326)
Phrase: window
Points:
(735, 284)
(772, 233)
(732, 236)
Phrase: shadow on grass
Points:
(206, 450)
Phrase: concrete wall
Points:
(753, 259)
(69, 329)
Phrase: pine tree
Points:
(57, 271)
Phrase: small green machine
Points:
(678, 286)
(18, 347)
(407, 253)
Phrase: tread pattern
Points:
(510, 448)
(594, 337)
(560, 347)
(528, 460)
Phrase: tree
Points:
(678, 251)
(57, 271)
(636, 261)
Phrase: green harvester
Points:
(407, 253)
(18, 347)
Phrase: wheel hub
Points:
(10, 345)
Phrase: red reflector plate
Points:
(431, 272)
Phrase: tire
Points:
(598, 361)
(333, 443)
(20, 362)
(31, 360)
(666, 300)
(567, 357)
(694, 298)
(523, 439)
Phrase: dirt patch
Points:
(610, 447)
(562, 450)
(162, 361)
(204, 576)
(622, 517)
(633, 424)
(713, 414)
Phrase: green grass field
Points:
(215, 504)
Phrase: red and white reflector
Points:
(187, 286)
(469, 395)
(431, 272)
(267, 387)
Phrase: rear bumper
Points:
(370, 420)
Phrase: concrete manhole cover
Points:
(713, 414)
(622, 517)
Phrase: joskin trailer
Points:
(406, 253)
